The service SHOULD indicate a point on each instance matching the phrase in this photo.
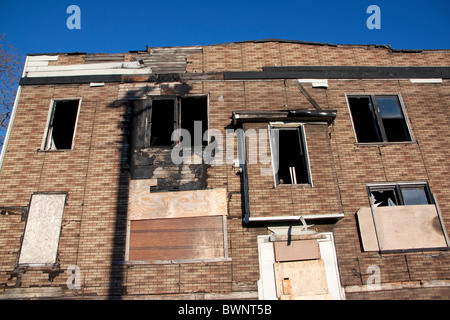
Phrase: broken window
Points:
(156, 119)
(162, 122)
(402, 216)
(378, 119)
(194, 118)
(289, 154)
(61, 128)
(398, 194)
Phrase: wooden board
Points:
(401, 228)
(296, 250)
(145, 205)
(176, 238)
(301, 280)
(41, 238)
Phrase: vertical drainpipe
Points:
(241, 155)
(11, 119)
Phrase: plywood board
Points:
(43, 228)
(401, 228)
(296, 250)
(176, 239)
(367, 229)
(145, 205)
(306, 279)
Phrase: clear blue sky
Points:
(120, 26)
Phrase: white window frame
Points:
(287, 125)
(53, 102)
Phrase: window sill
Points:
(383, 144)
(56, 151)
(298, 185)
(181, 261)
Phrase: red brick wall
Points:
(94, 219)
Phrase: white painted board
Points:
(43, 227)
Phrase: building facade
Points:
(266, 169)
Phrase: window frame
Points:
(177, 121)
(303, 144)
(379, 120)
(397, 187)
(49, 123)
(432, 201)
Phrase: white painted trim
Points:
(431, 80)
(266, 258)
(43, 58)
(97, 84)
(316, 83)
(50, 111)
(88, 72)
(88, 66)
(328, 255)
(10, 124)
(266, 284)
(290, 218)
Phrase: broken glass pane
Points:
(384, 198)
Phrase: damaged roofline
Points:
(386, 46)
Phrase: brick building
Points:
(264, 169)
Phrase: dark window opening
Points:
(155, 121)
(62, 123)
(290, 156)
(194, 118)
(394, 123)
(378, 119)
(384, 198)
(400, 194)
(364, 120)
(162, 122)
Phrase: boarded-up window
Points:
(401, 217)
(177, 238)
(42, 231)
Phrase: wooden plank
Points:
(176, 239)
(145, 205)
(306, 278)
(43, 228)
(401, 228)
(42, 58)
(92, 66)
(110, 71)
(296, 250)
